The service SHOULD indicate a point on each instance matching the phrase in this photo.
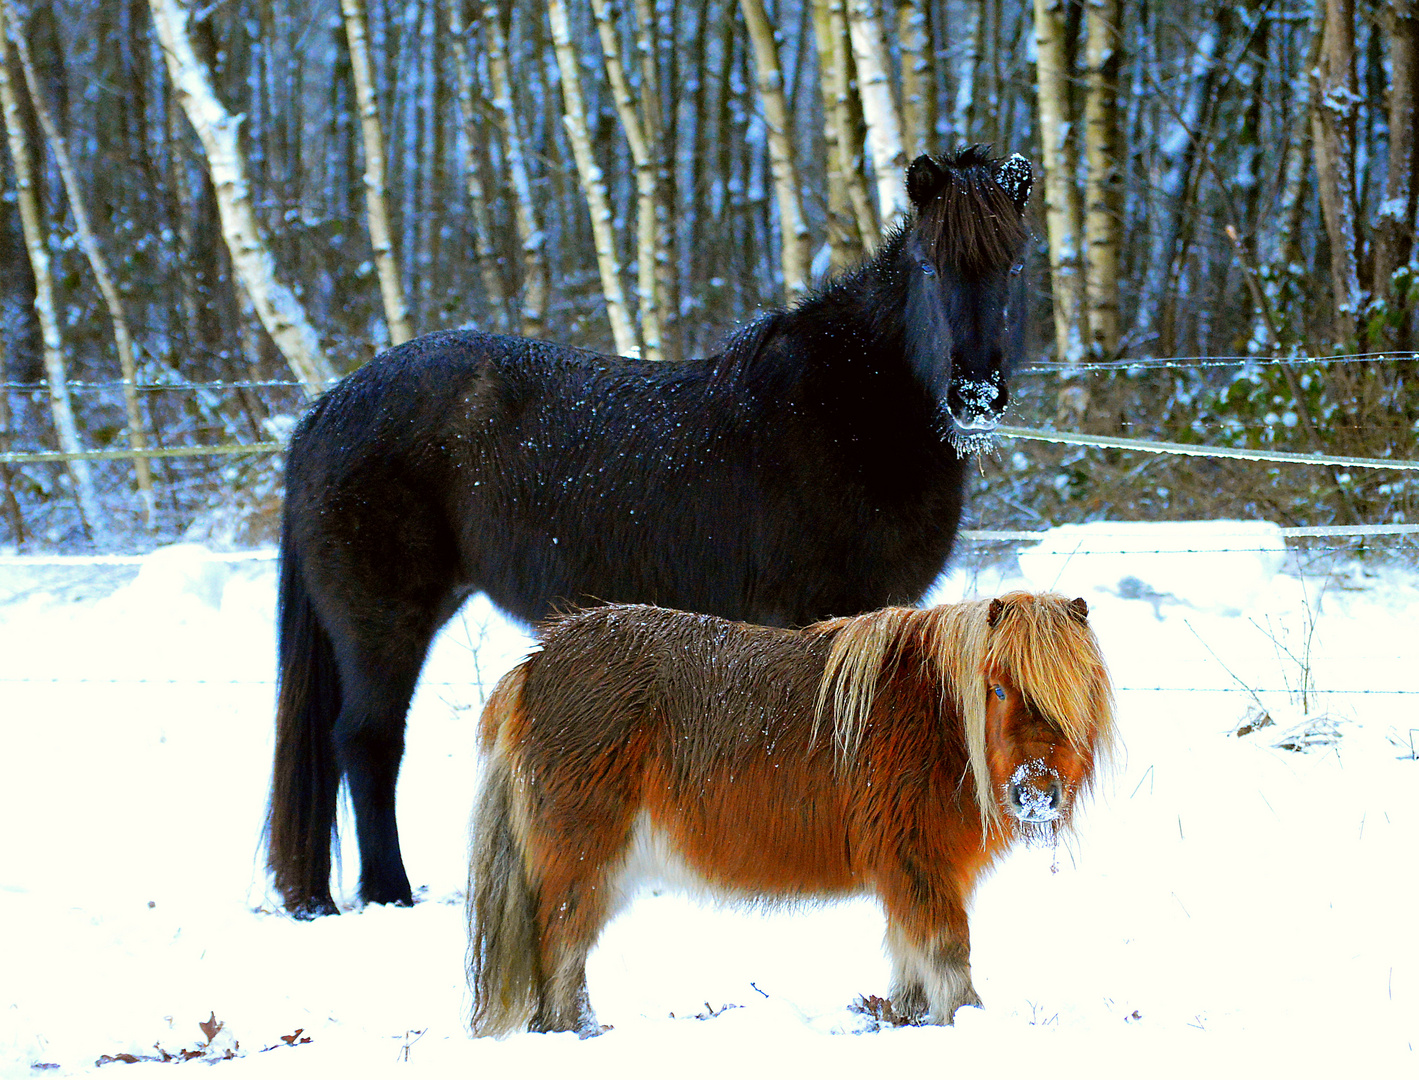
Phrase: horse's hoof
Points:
(307, 910)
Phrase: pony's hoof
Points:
(594, 1030)
(307, 910)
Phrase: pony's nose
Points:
(1033, 802)
(976, 404)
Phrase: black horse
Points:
(815, 467)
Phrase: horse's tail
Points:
(300, 825)
(504, 971)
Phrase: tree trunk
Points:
(7, 477)
(530, 238)
(123, 340)
(61, 407)
(839, 115)
(1333, 101)
(647, 194)
(793, 230)
(918, 79)
(1102, 220)
(879, 111)
(964, 106)
(659, 133)
(844, 239)
(396, 311)
(1395, 222)
(1063, 216)
(593, 184)
(280, 311)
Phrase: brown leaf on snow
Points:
(210, 1027)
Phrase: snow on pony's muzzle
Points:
(1034, 794)
(975, 406)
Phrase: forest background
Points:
(210, 211)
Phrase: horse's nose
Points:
(977, 404)
(1037, 801)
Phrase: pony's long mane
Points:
(1051, 654)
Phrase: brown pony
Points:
(897, 753)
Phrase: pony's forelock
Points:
(972, 227)
(1052, 656)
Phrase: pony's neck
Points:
(862, 308)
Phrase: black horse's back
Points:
(814, 467)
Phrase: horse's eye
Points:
(928, 269)
(1017, 269)
(999, 692)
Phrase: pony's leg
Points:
(571, 917)
(369, 745)
(930, 946)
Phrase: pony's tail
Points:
(300, 824)
(503, 968)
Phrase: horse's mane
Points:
(972, 226)
(1048, 650)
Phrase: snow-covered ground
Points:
(1225, 904)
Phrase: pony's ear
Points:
(1017, 178)
(924, 180)
(1079, 608)
(997, 609)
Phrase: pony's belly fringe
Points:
(654, 858)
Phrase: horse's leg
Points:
(378, 682)
(929, 941)
(580, 888)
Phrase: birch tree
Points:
(1102, 188)
(1063, 216)
(36, 244)
(593, 184)
(396, 311)
(1333, 104)
(793, 230)
(123, 339)
(647, 193)
(469, 101)
(849, 206)
(530, 238)
(278, 308)
(879, 110)
(1395, 223)
(918, 83)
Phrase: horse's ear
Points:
(1017, 178)
(1079, 608)
(997, 609)
(924, 180)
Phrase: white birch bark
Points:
(1393, 242)
(647, 195)
(88, 242)
(530, 238)
(963, 105)
(60, 405)
(279, 309)
(1333, 118)
(834, 59)
(1102, 222)
(879, 111)
(652, 120)
(396, 311)
(844, 238)
(793, 229)
(483, 247)
(918, 89)
(592, 183)
(1063, 218)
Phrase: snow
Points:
(1221, 904)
